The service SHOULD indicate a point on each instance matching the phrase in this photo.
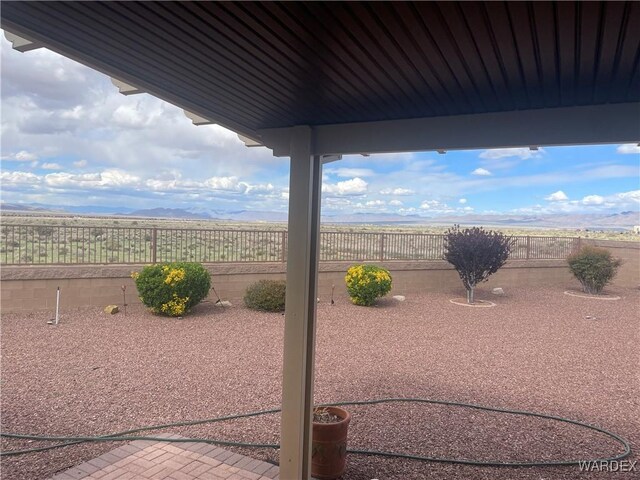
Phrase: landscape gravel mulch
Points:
(537, 350)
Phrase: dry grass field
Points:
(32, 239)
(117, 221)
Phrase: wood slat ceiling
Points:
(268, 65)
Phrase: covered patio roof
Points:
(310, 80)
(255, 67)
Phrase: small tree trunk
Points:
(470, 295)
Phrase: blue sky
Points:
(69, 138)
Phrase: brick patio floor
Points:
(150, 459)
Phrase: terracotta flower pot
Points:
(329, 446)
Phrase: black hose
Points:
(126, 436)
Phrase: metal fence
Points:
(56, 245)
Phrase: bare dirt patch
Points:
(97, 374)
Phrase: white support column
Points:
(300, 316)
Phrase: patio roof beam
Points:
(197, 119)
(21, 44)
(596, 124)
(124, 88)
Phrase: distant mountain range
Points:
(617, 221)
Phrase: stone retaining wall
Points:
(34, 288)
(31, 288)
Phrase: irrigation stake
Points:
(57, 304)
(124, 299)
(332, 289)
(218, 296)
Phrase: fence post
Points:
(284, 247)
(528, 246)
(579, 243)
(382, 247)
(154, 245)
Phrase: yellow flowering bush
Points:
(365, 283)
(172, 288)
(175, 307)
(173, 275)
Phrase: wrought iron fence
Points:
(55, 245)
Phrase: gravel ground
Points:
(536, 350)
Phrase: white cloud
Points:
(231, 185)
(107, 178)
(92, 121)
(118, 178)
(628, 148)
(18, 178)
(118, 182)
(355, 186)
(397, 191)
(51, 166)
(228, 184)
(375, 203)
(633, 196)
(620, 200)
(159, 185)
(265, 188)
(130, 116)
(462, 201)
(558, 196)
(611, 171)
(407, 211)
(435, 205)
(591, 203)
(395, 203)
(593, 200)
(122, 150)
(521, 153)
(75, 113)
(21, 156)
(56, 80)
(351, 172)
(24, 156)
(482, 172)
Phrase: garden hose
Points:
(127, 436)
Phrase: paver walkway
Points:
(150, 459)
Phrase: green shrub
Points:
(593, 267)
(365, 283)
(266, 295)
(172, 288)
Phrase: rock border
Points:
(477, 304)
(594, 297)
